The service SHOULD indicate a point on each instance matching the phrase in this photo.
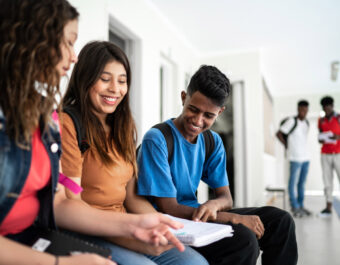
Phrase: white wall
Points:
(158, 39)
(93, 21)
(155, 38)
(287, 106)
(246, 67)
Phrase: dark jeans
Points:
(278, 242)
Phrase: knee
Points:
(189, 257)
(196, 259)
(277, 213)
(282, 218)
(288, 220)
(252, 245)
(249, 242)
(282, 215)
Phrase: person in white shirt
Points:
(293, 135)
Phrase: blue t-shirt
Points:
(181, 178)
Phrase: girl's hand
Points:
(154, 229)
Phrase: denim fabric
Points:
(15, 163)
(296, 184)
(124, 256)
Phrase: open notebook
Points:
(199, 234)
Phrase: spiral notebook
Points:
(200, 234)
(61, 243)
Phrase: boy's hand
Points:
(206, 212)
(253, 222)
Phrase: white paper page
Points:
(326, 137)
(200, 233)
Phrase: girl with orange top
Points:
(36, 50)
(99, 92)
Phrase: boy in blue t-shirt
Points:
(172, 185)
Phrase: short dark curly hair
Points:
(303, 103)
(326, 101)
(212, 83)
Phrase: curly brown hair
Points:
(31, 32)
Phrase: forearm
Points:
(13, 253)
(222, 203)
(226, 217)
(138, 205)
(135, 203)
(176, 209)
(280, 137)
(77, 216)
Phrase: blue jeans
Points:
(124, 256)
(297, 180)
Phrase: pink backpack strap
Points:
(69, 183)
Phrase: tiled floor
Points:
(318, 238)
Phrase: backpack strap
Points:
(167, 133)
(74, 113)
(294, 126)
(209, 144)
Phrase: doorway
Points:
(224, 126)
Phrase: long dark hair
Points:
(31, 32)
(92, 60)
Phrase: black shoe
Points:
(325, 213)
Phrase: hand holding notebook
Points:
(199, 234)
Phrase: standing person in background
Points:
(293, 134)
(329, 127)
(98, 93)
(36, 49)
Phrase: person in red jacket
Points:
(329, 127)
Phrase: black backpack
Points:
(285, 136)
(73, 112)
(167, 133)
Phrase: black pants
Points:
(278, 242)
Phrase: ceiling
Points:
(298, 39)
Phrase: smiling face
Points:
(67, 47)
(199, 114)
(109, 90)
